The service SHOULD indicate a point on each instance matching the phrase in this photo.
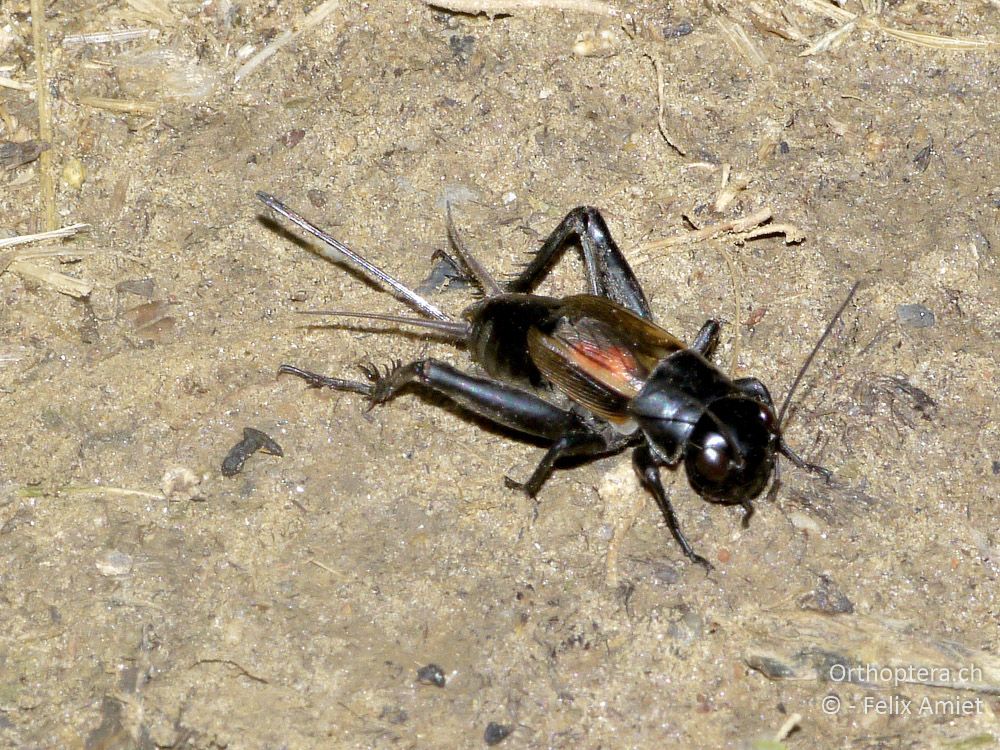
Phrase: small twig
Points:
(134, 106)
(786, 729)
(793, 235)
(235, 665)
(731, 226)
(658, 66)
(493, 8)
(46, 183)
(729, 189)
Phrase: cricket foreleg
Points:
(706, 339)
(649, 474)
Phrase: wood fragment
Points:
(59, 281)
(10, 83)
(15, 154)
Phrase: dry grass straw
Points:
(10, 83)
(870, 19)
(46, 182)
(109, 37)
(97, 489)
(20, 262)
(741, 229)
(314, 18)
(739, 40)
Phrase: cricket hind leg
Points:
(494, 400)
(509, 406)
(608, 273)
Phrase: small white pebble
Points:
(803, 522)
(180, 484)
(509, 197)
(114, 563)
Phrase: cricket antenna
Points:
(339, 252)
(815, 349)
(457, 330)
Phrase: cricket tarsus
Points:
(315, 380)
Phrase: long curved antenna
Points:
(486, 282)
(815, 349)
(341, 253)
(454, 329)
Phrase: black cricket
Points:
(626, 382)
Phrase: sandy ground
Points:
(292, 604)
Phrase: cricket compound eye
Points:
(713, 460)
(728, 456)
